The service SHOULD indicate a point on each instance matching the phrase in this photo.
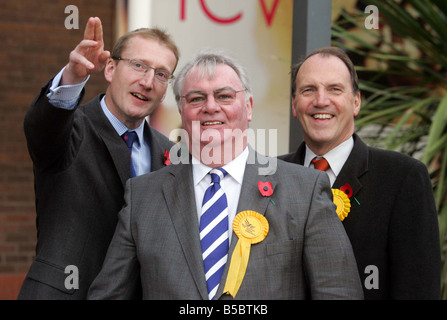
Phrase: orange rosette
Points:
(342, 202)
(251, 228)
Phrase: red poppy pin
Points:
(266, 189)
(347, 189)
(166, 159)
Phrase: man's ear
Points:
(357, 103)
(109, 70)
(293, 108)
(249, 105)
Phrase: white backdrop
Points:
(256, 32)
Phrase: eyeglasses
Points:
(224, 96)
(141, 67)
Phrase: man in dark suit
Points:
(392, 222)
(173, 245)
(81, 162)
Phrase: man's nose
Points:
(322, 97)
(211, 105)
(147, 80)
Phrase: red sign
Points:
(269, 14)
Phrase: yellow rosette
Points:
(342, 202)
(250, 227)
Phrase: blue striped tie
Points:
(214, 231)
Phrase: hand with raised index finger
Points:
(89, 55)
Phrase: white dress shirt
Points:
(336, 158)
(231, 184)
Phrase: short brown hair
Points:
(325, 52)
(147, 33)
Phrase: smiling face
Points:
(324, 102)
(131, 95)
(218, 121)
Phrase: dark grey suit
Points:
(306, 253)
(395, 226)
(81, 166)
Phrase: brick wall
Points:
(35, 46)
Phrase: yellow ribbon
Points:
(250, 227)
(342, 203)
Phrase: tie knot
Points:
(130, 137)
(320, 164)
(217, 175)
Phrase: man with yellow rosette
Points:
(385, 199)
(222, 225)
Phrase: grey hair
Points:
(206, 62)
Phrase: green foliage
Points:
(402, 68)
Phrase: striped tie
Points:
(214, 231)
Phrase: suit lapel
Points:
(355, 166)
(157, 152)
(299, 155)
(110, 137)
(180, 199)
(250, 197)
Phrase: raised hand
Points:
(89, 55)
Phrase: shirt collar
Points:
(335, 157)
(119, 127)
(235, 168)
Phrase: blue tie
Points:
(130, 137)
(214, 231)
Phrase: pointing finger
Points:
(98, 30)
(89, 33)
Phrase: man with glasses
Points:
(83, 154)
(184, 229)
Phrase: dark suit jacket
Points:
(395, 227)
(81, 166)
(306, 253)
